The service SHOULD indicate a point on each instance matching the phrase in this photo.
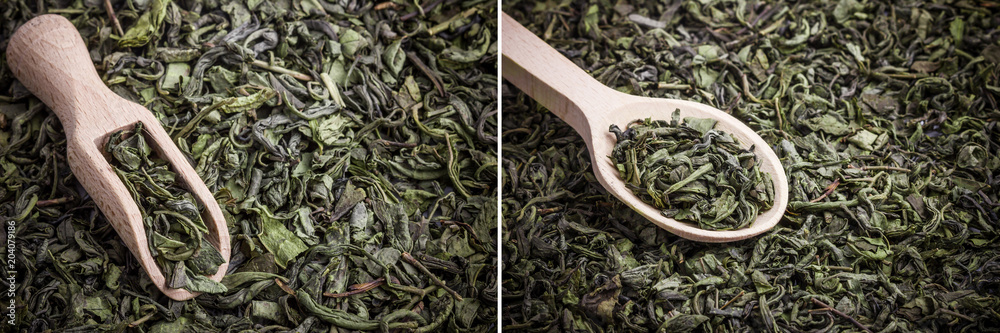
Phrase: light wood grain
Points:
(591, 108)
(49, 57)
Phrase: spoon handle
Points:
(548, 77)
(48, 56)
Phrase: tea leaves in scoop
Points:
(692, 172)
(171, 215)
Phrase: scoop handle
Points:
(48, 56)
(549, 78)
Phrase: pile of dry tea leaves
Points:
(885, 115)
(692, 172)
(351, 145)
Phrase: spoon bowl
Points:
(591, 108)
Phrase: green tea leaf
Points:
(278, 240)
(146, 26)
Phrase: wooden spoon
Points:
(48, 56)
(590, 108)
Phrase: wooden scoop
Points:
(49, 57)
(590, 107)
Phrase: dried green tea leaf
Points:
(146, 26)
(278, 240)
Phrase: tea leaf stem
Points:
(732, 300)
(430, 74)
(358, 288)
(66, 11)
(839, 268)
(550, 210)
(829, 189)
(281, 70)
(885, 168)
(845, 316)
(139, 321)
(113, 17)
(198, 117)
(395, 144)
(956, 314)
(815, 206)
(420, 10)
(673, 86)
(883, 76)
(52, 202)
(444, 25)
(434, 278)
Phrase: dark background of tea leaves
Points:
(325, 191)
(892, 108)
